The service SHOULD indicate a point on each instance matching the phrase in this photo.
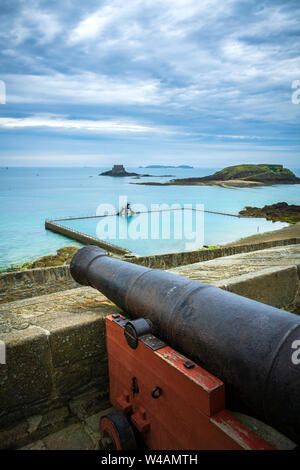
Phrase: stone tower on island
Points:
(118, 170)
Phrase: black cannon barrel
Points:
(251, 346)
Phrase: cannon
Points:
(253, 348)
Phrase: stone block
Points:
(27, 375)
(14, 436)
(273, 286)
(38, 445)
(34, 428)
(93, 421)
(76, 342)
(89, 404)
(73, 437)
(72, 378)
(37, 424)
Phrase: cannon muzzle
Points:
(252, 347)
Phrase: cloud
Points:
(171, 17)
(87, 88)
(194, 69)
(65, 123)
(44, 25)
(273, 19)
(210, 95)
(32, 23)
(93, 25)
(57, 122)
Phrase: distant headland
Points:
(166, 166)
(239, 176)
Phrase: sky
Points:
(208, 83)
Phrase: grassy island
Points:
(240, 176)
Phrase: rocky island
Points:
(280, 212)
(239, 176)
(119, 171)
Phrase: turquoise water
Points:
(30, 195)
(137, 231)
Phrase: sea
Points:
(29, 196)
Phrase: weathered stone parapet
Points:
(278, 287)
(172, 260)
(270, 276)
(40, 281)
(34, 282)
(55, 350)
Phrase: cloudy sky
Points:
(202, 82)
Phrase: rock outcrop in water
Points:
(280, 212)
(63, 256)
